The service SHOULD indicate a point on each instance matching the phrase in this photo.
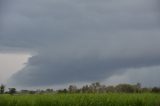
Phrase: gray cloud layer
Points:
(80, 40)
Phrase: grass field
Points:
(111, 99)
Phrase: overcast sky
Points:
(74, 41)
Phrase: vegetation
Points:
(92, 88)
(12, 91)
(107, 99)
(94, 94)
(2, 89)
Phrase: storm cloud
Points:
(80, 40)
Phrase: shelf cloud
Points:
(80, 40)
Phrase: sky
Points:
(57, 42)
(11, 63)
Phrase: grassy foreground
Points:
(111, 99)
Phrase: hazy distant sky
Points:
(11, 63)
(75, 41)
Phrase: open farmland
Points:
(108, 99)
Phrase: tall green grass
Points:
(111, 99)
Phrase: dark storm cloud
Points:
(81, 40)
(49, 71)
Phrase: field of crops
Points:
(111, 99)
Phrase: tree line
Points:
(92, 88)
(10, 90)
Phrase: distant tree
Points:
(102, 89)
(65, 91)
(85, 89)
(32, 92)
(39, 91)
(72, 88)
(137, 88)
(127, 88)
(49, 90)
(24, 91)
(156, 90)
(94, 87)
(59, 91)
(138, 85)
(110, 89)
(12, 91)
(2, 89)
(62, 91)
